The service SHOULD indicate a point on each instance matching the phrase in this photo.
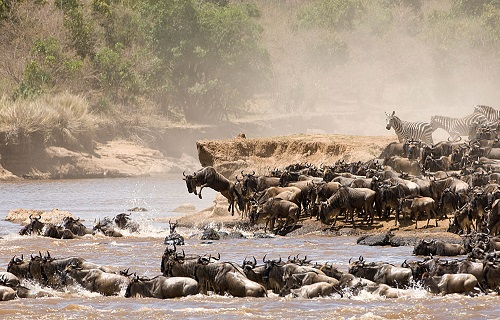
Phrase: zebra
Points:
(458, 127)
(490, 113)
(406, 130)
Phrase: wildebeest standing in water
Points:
(209, 177)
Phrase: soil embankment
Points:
(230, 156)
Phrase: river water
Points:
(95, 198)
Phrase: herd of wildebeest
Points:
(454, 180)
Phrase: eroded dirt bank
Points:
(230, 156)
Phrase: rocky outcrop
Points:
(22, 216)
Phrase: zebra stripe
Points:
(457, 127)
(490, 113)
(406, 130)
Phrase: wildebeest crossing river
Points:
(142, 252)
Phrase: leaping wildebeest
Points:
(209, 177)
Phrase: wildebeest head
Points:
(249, 182)
(354, 266)
(254, 212)
(74, 225)
(269, 265)
(331, 271)
(122, 219)
(34, 227)
(247, 264)
(172, 226)
(423, 247)
(190, 182)
(19, 267)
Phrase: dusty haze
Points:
(410, 69)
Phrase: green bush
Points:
(332, 15)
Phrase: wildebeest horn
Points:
(184, 173)
(254, 261)
(264, 258)
(361, 258)
(350, 259)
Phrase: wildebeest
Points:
(276, 272)
(298, 280)
(417, 206)
(277, 208)
(7, 293)
(34, 227)
(451, 283)
(349, 199)
(173, 238)
(9, 279)
(491, 275)
(19, 267)
(96, 280)
(314, 290)
(75, 226)
(393, 149)
(123, 221)
(161, 287)
(462, 220)
(209, 177)
(226, 277)
(493, 218)
(381, 273)
(254, 272)
(107, 227)
(386, 291)
(439, 248)
(401, 164)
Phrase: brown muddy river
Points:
(90, 199)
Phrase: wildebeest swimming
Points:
(191, 274)
(71, 228)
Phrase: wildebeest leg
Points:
(428, 219)
(351, 213)
(271, 226)
(201, 188)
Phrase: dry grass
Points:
(63, 111)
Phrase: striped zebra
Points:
(490, 113)
(458, 127)
(406, 130)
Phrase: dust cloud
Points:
(409, 66)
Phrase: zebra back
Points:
(457, 127)
(490, 113)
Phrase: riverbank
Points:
(405, 233)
